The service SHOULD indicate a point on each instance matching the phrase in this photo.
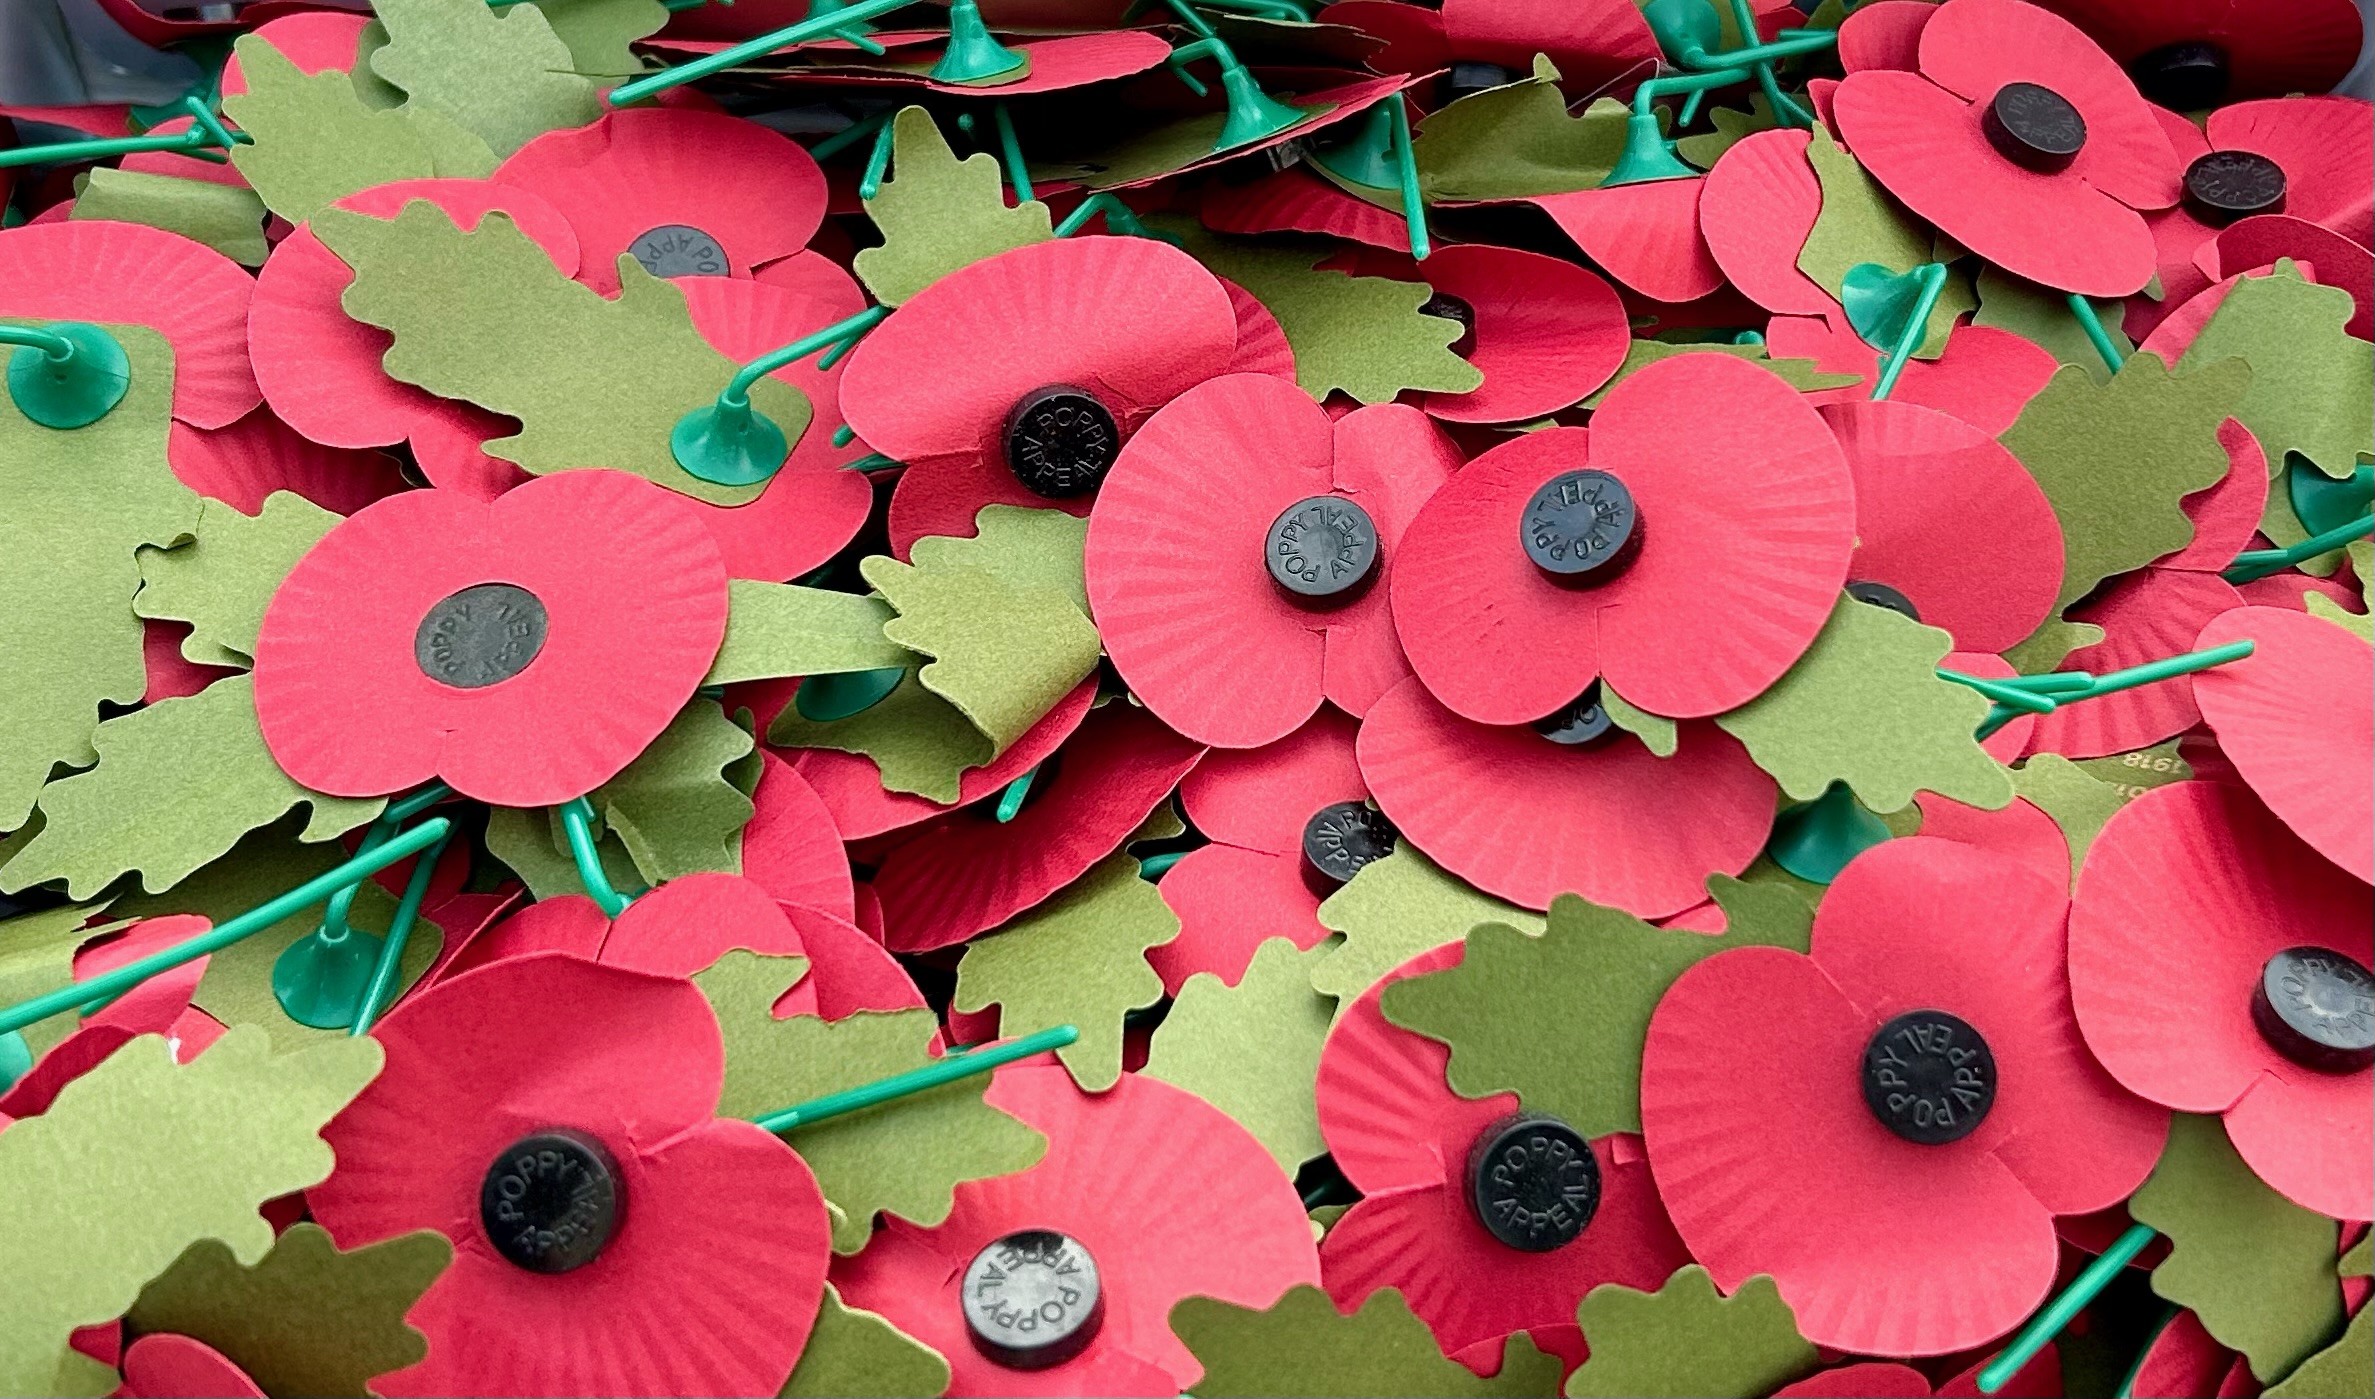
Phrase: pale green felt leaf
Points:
(1865, 706)
(2041, 316)
(141, 1157)
(1252, 1050)
(938, 213)
(918, 741)
(534, 846)
(673, 806)
(780, 629)
(1302, 1346)
(79, 504)
(315, 140)
(2076, 801)
(1516, 141)
(178, 783)
(226, 218)
(1861, 222)
(905, 1157)
(2050, 644)
(376, 92)
(1393, 909)
(1657, 734)
(1687, 1341)
(305, 1319)
(221, 581)
(2255, 1267)
(2116, 460)
(485, 316)
(1004, 615)
(853, 1353)
(2359, 1262)
(502, 74)
(2347, 1367)
(2309, 375)
(1731, 124)
(597, 32)
(1559, 1018)
(1799, 374)
(455, 150)
(37, 957)
(1077, 959)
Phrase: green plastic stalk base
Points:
(821, 699)
(16, 1059)
(1366, 159)
(729, 446)
(1815, 841)
(319, 981)
(76, 391)
(2322, 503)
(973, 57)
(1878, 302)
(1254, 115)
(1647, 158)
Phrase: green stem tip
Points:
(946, 1069)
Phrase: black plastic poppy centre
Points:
(1583, 719)
(2316, 1007)
(1453, 308)
(1882, 595)
(2224, 186)
(1582, 528)
(1929, 1077)
(551, 1201)
(2184, 77)
(1342, 838)
(1322, 550)
(1032, 1299)
(1060, 441)
(2034, 127)
(1533, 1182)
(680, 250)
(480, 636)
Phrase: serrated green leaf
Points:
(2042, 316)
(222, 580)
(779, 629)
(1252, 1050)
(1516, 141)
(1865, 706)
(534, 846)
(1657, 734)
(906, 1157)
(2358, 624)
(314, 139)
(1077, 959)
(2050, 644)
(938, 213)
(674, 807)
(598, 32)
(1687, 1341)
(484, 316)
(226, 218)
(2309, 375)
(138, 1159)
(2076, 801)
(1861, 222)
(1799, 374)
(2343, 1368)
(306, 1318)
(501, 74)
(1302, 1346)
(855, 1354)
(1731, 124)
(918, 741)
(1393, 909)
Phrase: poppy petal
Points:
(243, 463)
(2292, 715)
(2325, 146)
(1985, 377)
(164, 1365)
(2253, 243)
(1262, 346)
(1547, 332)
(688, 923)
(1884, 35)
(2226, 515)
(1260, 798)
(791, 846)
(1758, 204)
(1645, 236)
(2145, 616)
(1296, 201)
(2298, 46)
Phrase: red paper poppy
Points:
(1401, 1136)
(1129, 322)
(2203, 866)
(2264, 49)
(1771, 1161)
(1262, 346)
(167, 1366)
(112, 273)
(1758, 203)
(1926, 138)
(1644, 235)
(2325, 256)
(1543, 331)
(1880, 1379)
(971, 872)
(1169, 1196)
(1528, 819)
(242, 464)
(1237, 479)
(2184, 1360)
(523, 651)
(1884, 34)
(791, 846)
(314, 41)
(1500, 642)
(2293, 715)
(1595, 44)
(687, 193)
(1296, 201)
(704, 1279)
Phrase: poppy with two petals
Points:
(2292, 715)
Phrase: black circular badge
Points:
(1533, 1182)
(1060, 441)
(1341, 837)
(1882, 595)
(2034, 127)
(2316, 1007)
(1452, 308)
(1032, 1299)
(551, 1201)
(479, 636)
(1581, 528)
(2224, 186)
(1582, 720)
(1468, 76)
(1929, 1077)
(680, 250)
(1322, 549)
(2184, 77)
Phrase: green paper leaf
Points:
(905, 1157)
(674, 807)
(2042, 316)
(1252, 1050)
(2255, 1267)
(2358, 624)
(1685, 1340)
(598, 32)
(1004, 615)
(501, 74)
(1731, 124)
(1393, 909)
(918, 741)
(780, 629)
(79, 504)
(2309, 375)
(1657, 734)
(1516, 141)
(855, 1354)
(2341, 1368)
(534, 846)
(1560, 1018)
(1865, 706)
(1303, 1346)
(221, 581)
(938, 213)
(140, 1158)
(315, 141)
(2359, 1262)
(1077, 959)
(178, 783)
(2050, 644)
(226, 218)
(2076, 801)
(1861, 222)
(2116, 460)
(1799, 374)
(306, 1318)
(37, 957)
(485, 316)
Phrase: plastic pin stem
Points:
(1254, 115)
(391, 948)
(317, 978)
(973, 57)
(946, 1069)
(849, 135)
(1917, 321)
(1018, 171)
(1814, 841)
(1787, 46)
(877, 161)
(2259, 563)
(1153, 867)
(111, 984)
(1010, 802)
(844, 435)
(66, 374)
(2047, 1324)
(1785, 111)
(814, 27)
(2003, 693)
(577, 820)
(204, 132)
(1414, 208)
(2112, 682)
(873, 461)
(2057, 682)
(1120, 219)
(2092, 324)
(1647, 155)
(731, 443)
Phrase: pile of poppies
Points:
(1238, 697)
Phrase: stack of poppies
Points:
(1238, 697)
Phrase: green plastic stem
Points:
(2002, 693)
(2167, 668)
(946, 1069)
(57, 347)
(1414, 209)
(2092, 324)
(877, 161)
(2057, 682)
(848, 136)
(255, 920)
(333, 927)
(1933, 281)
(1010, 802)
(1785, 111)
(205, 131)
(577, 819)
(814, 27)
(2047, 1324)
(2259, 563)
(737, 394)
(391, 948)
(1788, 46)
(873, 461)
(1018, 171)
(1998, 715)
(844, 435)
(1684, 82)
(1154, 866)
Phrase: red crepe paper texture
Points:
(2292, 716)
(1644, 235)
(167, 1366)
(1546, 332)
(1296, 201)
(792, 848)
(248, 460)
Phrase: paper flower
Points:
(2022, 141)
(1595, 44)
(1240, 555)
(1892, 1131)
(1644, 235)
(2196, 55)
(2293, 715)
(1543, 331)
(523, 651)
(553, 1118)
(1628, 550)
